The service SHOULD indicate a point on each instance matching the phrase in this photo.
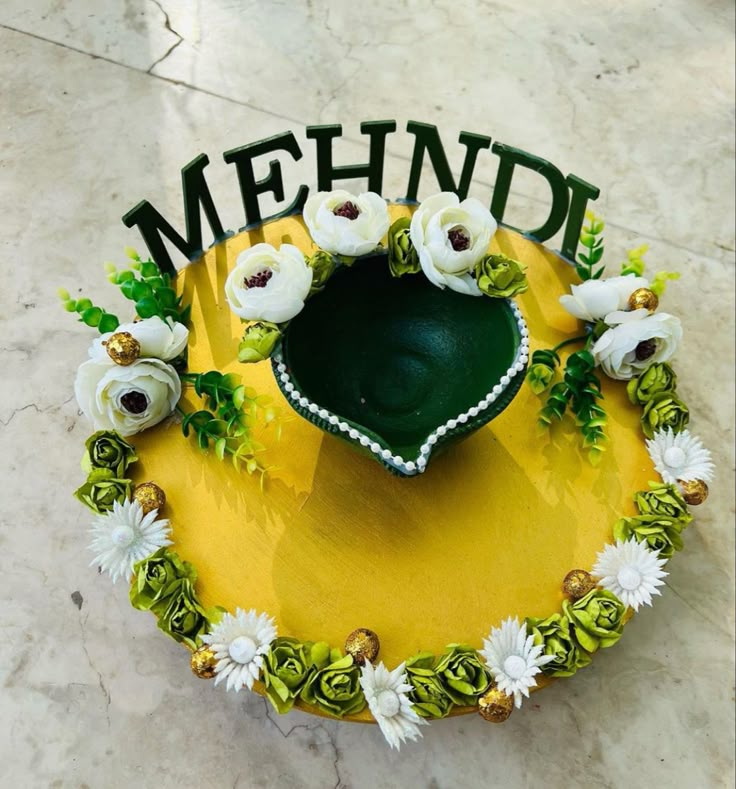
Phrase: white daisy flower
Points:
(513, 659)
(680, 456)
(386, 694)
(631, 571)
(124, 536)
(239, 643)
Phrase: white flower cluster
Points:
(633, 340)
(450, 236)
(130, 398)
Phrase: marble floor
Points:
(102, 102)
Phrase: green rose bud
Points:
(106, 449)
(663, 499)
(462, 674)
(258, 342)
(156, 576)
(500, 276)
(660, 532)
(402, 257)
(323, 267)
(655, 379)
(181, 615)
(539, 377)
(335, 689)
(555, 634)
(662, 411)
(596, 619)
(542, 370)
(429, 698)
(286, 668)
(102, 489)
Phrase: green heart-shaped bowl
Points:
(398, 367)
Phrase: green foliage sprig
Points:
(150, 289)
(93, 316)
(585, 388)
(635, 264)
(580, 390)
(592, 240)
(231, 415)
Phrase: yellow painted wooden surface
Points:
(336, 542)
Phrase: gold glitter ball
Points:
(694, 491)
(203, 663)
(150, 497)
(123, 348)
(362, 644)
(495, 706)
(643, 298)
(577, 584)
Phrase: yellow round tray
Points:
(335, 543)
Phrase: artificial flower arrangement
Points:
(133, 381)
(445, 244)
(624, 338)
(446, 239)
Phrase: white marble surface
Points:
(102, 103)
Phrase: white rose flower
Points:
(129, 398)
(346, 224)
(159, 339)
(450, 237)
(636, 341)
(596, 298)
(268, 284)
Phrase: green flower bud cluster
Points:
(429, 697)
(655, 390)
(323, 267)
(106, 461)
(557, 635)
(596, 620)
(542, 370)
(662, 411)
(259, 340)
(287, 666)
(663, 499)
(654, 380)
(314, 673)
(402, 257)
(456, 677)
(500, 276)
(663, 516)
(334, 683)
(164, 584)
(661, 533)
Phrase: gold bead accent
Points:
(694, 491)
(495, 706)
(123, 348)
(150, 497)
(577, 584)
(643, 298)
(363, 645)
(203, 663)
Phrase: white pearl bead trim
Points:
(419, 464)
